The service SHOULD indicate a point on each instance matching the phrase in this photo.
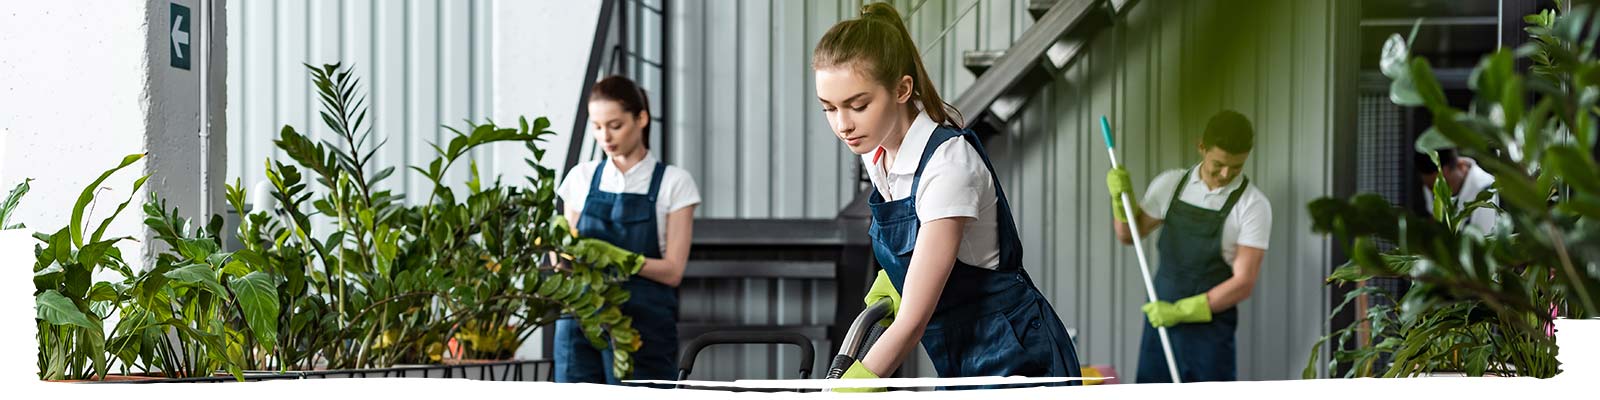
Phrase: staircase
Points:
(1008, 78)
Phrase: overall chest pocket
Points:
(898, 238)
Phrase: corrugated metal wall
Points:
(423, 63)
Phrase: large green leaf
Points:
(197, 274)
(9, 206)
(197, 249)
(106, 223)
(88, 196)
(93, 253)
(258, 297)
(1492, 73)
(1576, 168)
(1392, 61)
(103, 291)
(96, 340)
(1403, 92)
(55, 309)
(48, 277)
(1428, 86)
(76, 281)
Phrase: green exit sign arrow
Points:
(180, 36)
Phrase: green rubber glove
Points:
(857, 371)
(1117, 182)
(1192, 309)
(884, 288)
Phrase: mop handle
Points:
(1138, 248)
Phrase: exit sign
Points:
(179, 36)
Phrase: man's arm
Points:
(1146, 224)
(1246, 268)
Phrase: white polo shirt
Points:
(1477, 181)
(954, 184)
(1249, 224)
(678, 189)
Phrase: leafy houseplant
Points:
(71, 308)
(396, 283)
(196, 293)
(1482, 302)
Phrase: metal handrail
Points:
(616, 59)
(949, 28)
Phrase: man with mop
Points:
(1216, 225)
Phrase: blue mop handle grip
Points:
(1105, 131)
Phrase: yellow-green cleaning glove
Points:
(883, 288)
(857, 371)
(1118, 182)
(1192, 309)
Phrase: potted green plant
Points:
(393, 284)
(1481, 303)
(208, 302)
(71, 306)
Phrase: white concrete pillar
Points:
(541, 52)
(86, 83)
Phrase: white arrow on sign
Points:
(179, 37)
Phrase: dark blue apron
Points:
(1191, 264)
(628, 221)
(987, 322)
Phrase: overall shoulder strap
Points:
(940, 136)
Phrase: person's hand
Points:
(1118, 182)
(858, 371)
(883, 288)
(1193, 309)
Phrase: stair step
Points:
(1040, 54)
(979, 61)
(1037, 8)
(712, 269)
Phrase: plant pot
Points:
(146, 377)
(473, 361)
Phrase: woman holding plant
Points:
(634, 201)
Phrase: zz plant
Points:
(395, 283)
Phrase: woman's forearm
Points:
(892, 347)
(659, 270)
(930, 267)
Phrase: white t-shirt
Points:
(678, 189)
(954, 184)
(1250, 223)
(1478, 180)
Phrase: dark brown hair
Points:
(878, 46)
(622, 90)
(1229, 131)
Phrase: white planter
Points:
(19, 357)
(1579, 341)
